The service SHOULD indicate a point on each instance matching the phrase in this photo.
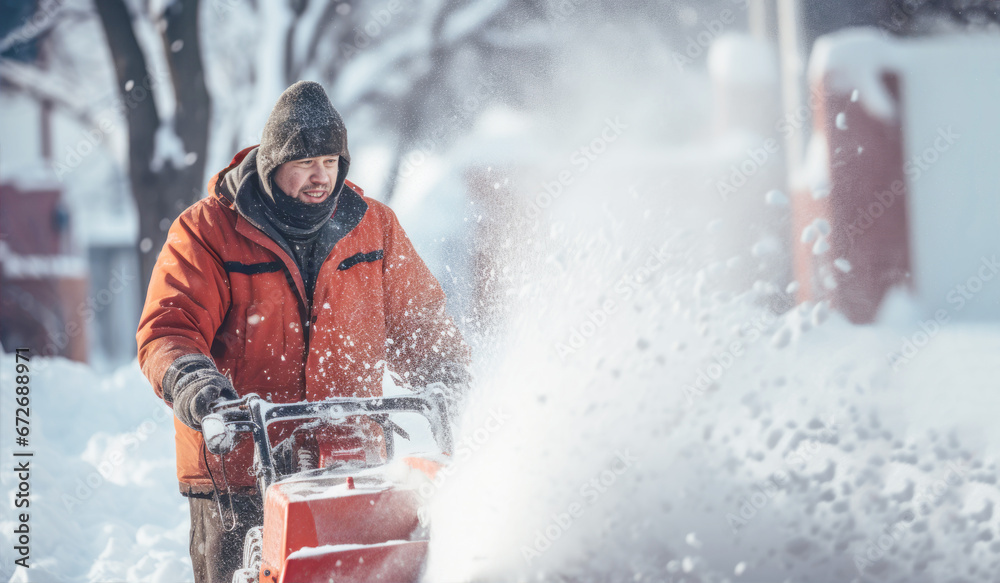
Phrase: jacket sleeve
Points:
(187, 299)
(424, 343)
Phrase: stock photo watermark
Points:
(766, 490)
(88, 310)
(757, 158)
(914, 168)
(134, 94)
(464, 451)
(373, 28)
(624, 288)
(579, 162)
(42, 20)
(957, 297)
(423, 149)
(721, 361)
(86, 486)
(590, 492)
(876, 549)
(697, 45)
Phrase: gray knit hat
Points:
(303, 124)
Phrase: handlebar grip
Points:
(219, 436)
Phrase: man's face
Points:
(309, 179)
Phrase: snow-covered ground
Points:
(104, 499)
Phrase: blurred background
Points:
(752, 242)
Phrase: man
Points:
(289, 283)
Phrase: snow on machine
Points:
(329, 513)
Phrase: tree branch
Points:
(40, 22)
(191, 119)
(44, 86)
(318, 31)
(130, 65)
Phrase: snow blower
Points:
(330, 514)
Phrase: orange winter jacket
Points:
(224, 288)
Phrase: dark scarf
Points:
(314, 245)
(293, 218)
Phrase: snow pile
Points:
(104, 503)
(659, 431)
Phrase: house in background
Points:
(68, 238)
(42, 279)
(68, 248)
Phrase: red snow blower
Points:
(329, 515)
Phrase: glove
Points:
(452, 381)
(192, 384)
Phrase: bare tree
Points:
(483, 50)
(409, 63)
(161, 190)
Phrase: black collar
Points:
(348, 214)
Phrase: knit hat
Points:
(303, 124)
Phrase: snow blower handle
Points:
(219, 428)
(251, 414)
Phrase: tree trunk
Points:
(413, 106)
(160, 194)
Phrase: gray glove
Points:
(452, 381)
(192, 384)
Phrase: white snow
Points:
(104, 498)
(798, 452)
(952, 140)
(842, 264)
(301, 491)
(776, 198)
(744, 60)
(766, 246)
(306, 552)
(167, 147)
(379, 69)
(821, 246)
(855, 60)
(273, 22)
